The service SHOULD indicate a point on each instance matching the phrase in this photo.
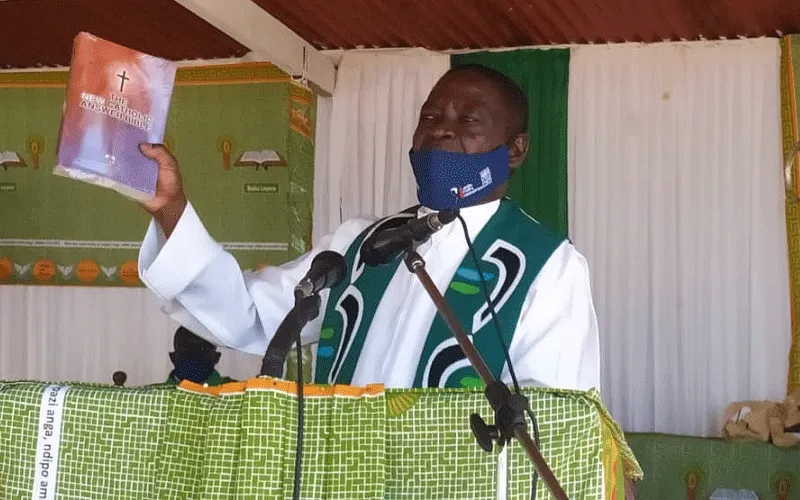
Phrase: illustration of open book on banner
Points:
(10, 159)
(116, 99)
(264, 158)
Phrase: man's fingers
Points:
(158, 153)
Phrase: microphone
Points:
(327, 270)
(386, 245)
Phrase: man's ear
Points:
(518, 148)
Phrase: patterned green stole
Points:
(512, 247)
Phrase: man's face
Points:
(211, 357)
(464, 113)
(190, 346)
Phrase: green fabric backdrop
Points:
(679, 467)
(540, 185)
(58, 231)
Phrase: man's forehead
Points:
(465, 85)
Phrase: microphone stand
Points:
(305, 309)
(509, 408)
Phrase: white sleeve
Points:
(201, 286)
(556, 343)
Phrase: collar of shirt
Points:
(475, 218)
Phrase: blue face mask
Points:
(194, 369)
(447, 180)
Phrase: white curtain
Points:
(676, 199)
(373, 115)
(326, 202)
(86, 334)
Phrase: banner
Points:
(790, 76)
(692, 467)
(243, 135)
(540, 184)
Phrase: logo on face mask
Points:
(469, 189)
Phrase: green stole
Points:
(512, 247)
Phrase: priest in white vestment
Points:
(474, 118)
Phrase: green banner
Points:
(540, 184)
(243, 135)
(690, 467)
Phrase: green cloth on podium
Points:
(237, 441)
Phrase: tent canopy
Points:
(291, 34)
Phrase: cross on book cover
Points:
(116, 98)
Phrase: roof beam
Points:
(253, 27)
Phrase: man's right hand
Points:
(170, 200)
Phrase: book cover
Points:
(116, 99)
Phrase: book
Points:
(116, 99)
(263, 158)
(10, 159)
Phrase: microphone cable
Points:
(327, 270)
(503, 345)
(311, 306)
(298, 456)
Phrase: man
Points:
(194, 359)
(380, 325)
